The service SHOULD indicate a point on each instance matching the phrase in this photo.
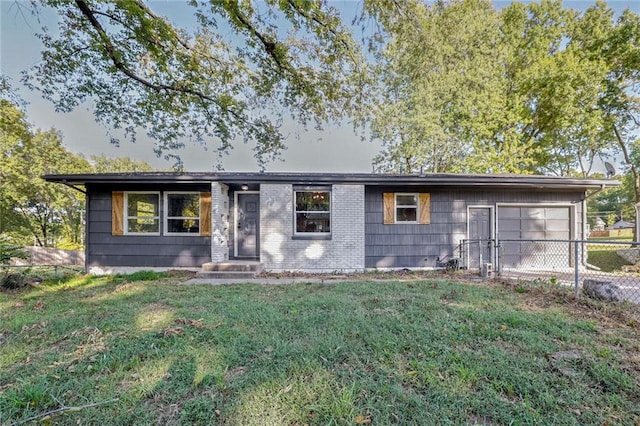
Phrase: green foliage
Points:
(9, 250)
(104, 164)
(33, 209)
(533, 88)
(232, 74)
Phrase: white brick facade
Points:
(279, 251)
(219, 222)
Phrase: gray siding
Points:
(413, 245)
(154, 251)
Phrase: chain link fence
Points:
(607, 270)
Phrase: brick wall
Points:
(279, 251)
(219, 222)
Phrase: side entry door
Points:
(479, 237)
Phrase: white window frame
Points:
(396, 206)
(166, 216)
(126, 216)
(311, 234)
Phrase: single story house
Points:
(318, 221)
(622, 224)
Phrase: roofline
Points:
(371, 179)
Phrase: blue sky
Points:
(335, 149)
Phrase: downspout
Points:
(583, 259)
(87, 236)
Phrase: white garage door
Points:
(530, 226)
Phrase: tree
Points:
(104, 164)
(142, 71)
(532, 89)
(560, 85)
(440, 85)
(32, 208)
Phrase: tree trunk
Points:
(636, 179)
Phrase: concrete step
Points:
(220, 275)
(232, 266)
(230, 270)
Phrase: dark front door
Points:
(248, 225)
(479, 236)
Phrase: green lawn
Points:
(434, 351)
(604, 256)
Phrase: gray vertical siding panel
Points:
(412, 245)
(139, 250)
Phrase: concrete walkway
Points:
(263, 281)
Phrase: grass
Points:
(431, 351)
(604, 256)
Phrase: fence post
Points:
(576, 264)
(497, 255)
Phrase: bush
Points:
(12, 280)
(9, 250)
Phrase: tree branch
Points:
(157, 87)
(268, 44)
(62, 409)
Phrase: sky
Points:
(336, 148)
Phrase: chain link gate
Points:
(605, 269)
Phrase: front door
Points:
(479, 236)
(247, 224)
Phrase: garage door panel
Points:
(561, 213)
(509, 213)
(556, 235)
(510, 235)
(557, 225)
(532, 225)
(532, 235)
(533, 212)
(509, 225)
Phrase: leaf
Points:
(360, 419)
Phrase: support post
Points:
(576, 266)
(637, 230)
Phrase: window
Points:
(406, 207)
(142, 212)
(182, 213)
(312, 211)
(138, 213)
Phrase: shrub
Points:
(9, 250)
(12, 280)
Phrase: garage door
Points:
(529, 227)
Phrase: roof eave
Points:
(433, 180)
